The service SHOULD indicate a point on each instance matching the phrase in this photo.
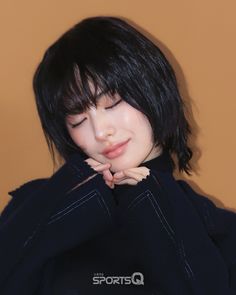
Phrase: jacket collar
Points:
(162, 163)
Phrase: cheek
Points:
(80, 139)
(130, 116)
(137, 122)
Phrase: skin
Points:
(114, 121)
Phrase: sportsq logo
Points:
(136, 278)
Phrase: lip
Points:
(115, 150)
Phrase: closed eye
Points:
(112, 106)
(107, 108)
(77, 124)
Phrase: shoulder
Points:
(202, 203)
(183, 189)
(191, 193)
(28, 187)
(19, 194)
(217, 219)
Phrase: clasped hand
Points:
(128, 176)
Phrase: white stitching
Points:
(105, 205)
(170, 234)
(185, 259)
(137, 202)
(77, 201)
(187, 266)
(162, 213)
(80, 204)
(99, 202)
(131, 204)
(147, 195)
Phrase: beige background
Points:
(198, 37)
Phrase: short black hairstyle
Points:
(116, 58)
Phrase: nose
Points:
(103, 127)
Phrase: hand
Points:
(130, 176)
(102, 169)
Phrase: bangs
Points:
(81, 90)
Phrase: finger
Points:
(102, 167)
(92, 162)
(132, 174)
(129, 181)
(97, 166)
(107, 175)
(110, 184)
(141, 170)
(118, 175)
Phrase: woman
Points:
(113, 218)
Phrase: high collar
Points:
(163, 163)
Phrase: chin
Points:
(114, 168)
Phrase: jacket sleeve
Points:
(175, 248)
(220, 224)
(71, 207)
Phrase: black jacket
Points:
(55, 240)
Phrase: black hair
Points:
(116, 58)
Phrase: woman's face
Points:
(113, 132)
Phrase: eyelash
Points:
(107, 108)
(115, 104)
